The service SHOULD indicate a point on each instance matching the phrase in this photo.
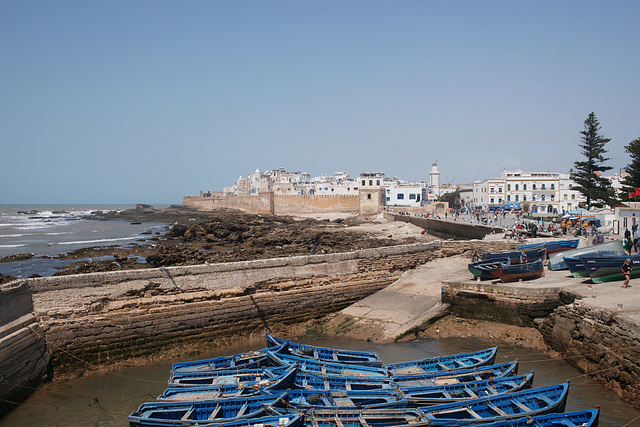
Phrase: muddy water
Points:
(107, 400)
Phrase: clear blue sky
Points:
(147, 101)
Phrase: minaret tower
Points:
(434, 180)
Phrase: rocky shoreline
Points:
(200, 237)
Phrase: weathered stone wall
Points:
(259, 204)
(307, 203)
(105, 317)
(519, 306)
(24, 357)
(603, 344)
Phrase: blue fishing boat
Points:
(250, 359)
(340, 399)
(447, 393)
(226, 376)
(284, 420)
(311, 381)
(484, 269)
(458, 376)
(233, 388)
(554, 246)
(524, 271)
(586, 418)
(607, 269)
(198, 412)
(528, 403)
(556, 261)
(576, 267)
(444, 363)
(306, 364)
(325, 353)
(518, 256)
(407, 417)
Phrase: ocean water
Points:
(50, 230)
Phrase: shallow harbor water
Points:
(107, 400)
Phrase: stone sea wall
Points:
(601, 343)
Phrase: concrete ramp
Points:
(409, 302)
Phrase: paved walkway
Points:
(414, 299)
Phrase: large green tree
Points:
(632, 181)
(588, 173)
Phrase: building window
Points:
(363, 184)
(412, 196)
(553, 186)
(492, 200)
(573, 197)
(553, 197)
(524, 198)
(524, 187)
(400, 196)
(499, 189)
(388, 199)
(370, 183)
(534, 186)
(508, 187)
(543, 187)
(565, 197)
(378, 182)
(543, 198)
(508, 197)
(369, 196)
(517, 197)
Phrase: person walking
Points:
(626, 270)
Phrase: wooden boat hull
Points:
(535, 401)
(484, 269)
(435, 395)
(556, 261)
(526, 271)
(444, 363)
(306, 364)
(234, 388)
(327, 354)
(460, 376)
(251, 359)
(533, 254)
(554, 246)
(587, 418)
(338, 400)
(187, 413)
(610, 268)
(576, 267)
(314, 381)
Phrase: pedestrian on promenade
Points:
(626, 270)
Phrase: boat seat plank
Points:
(521, 405)
(214, 413)
(363, 422)
(187, 414)
(242, 410)
(496, 409)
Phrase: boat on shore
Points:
(556, 261)
(554, 246)
(607, 269)
(484, 269)
(576, 267)
(459, 376)
(539, 252)
(517, 272)
(251, 359)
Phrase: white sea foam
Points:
(90, 242)
(13, 235)
(11, 246)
